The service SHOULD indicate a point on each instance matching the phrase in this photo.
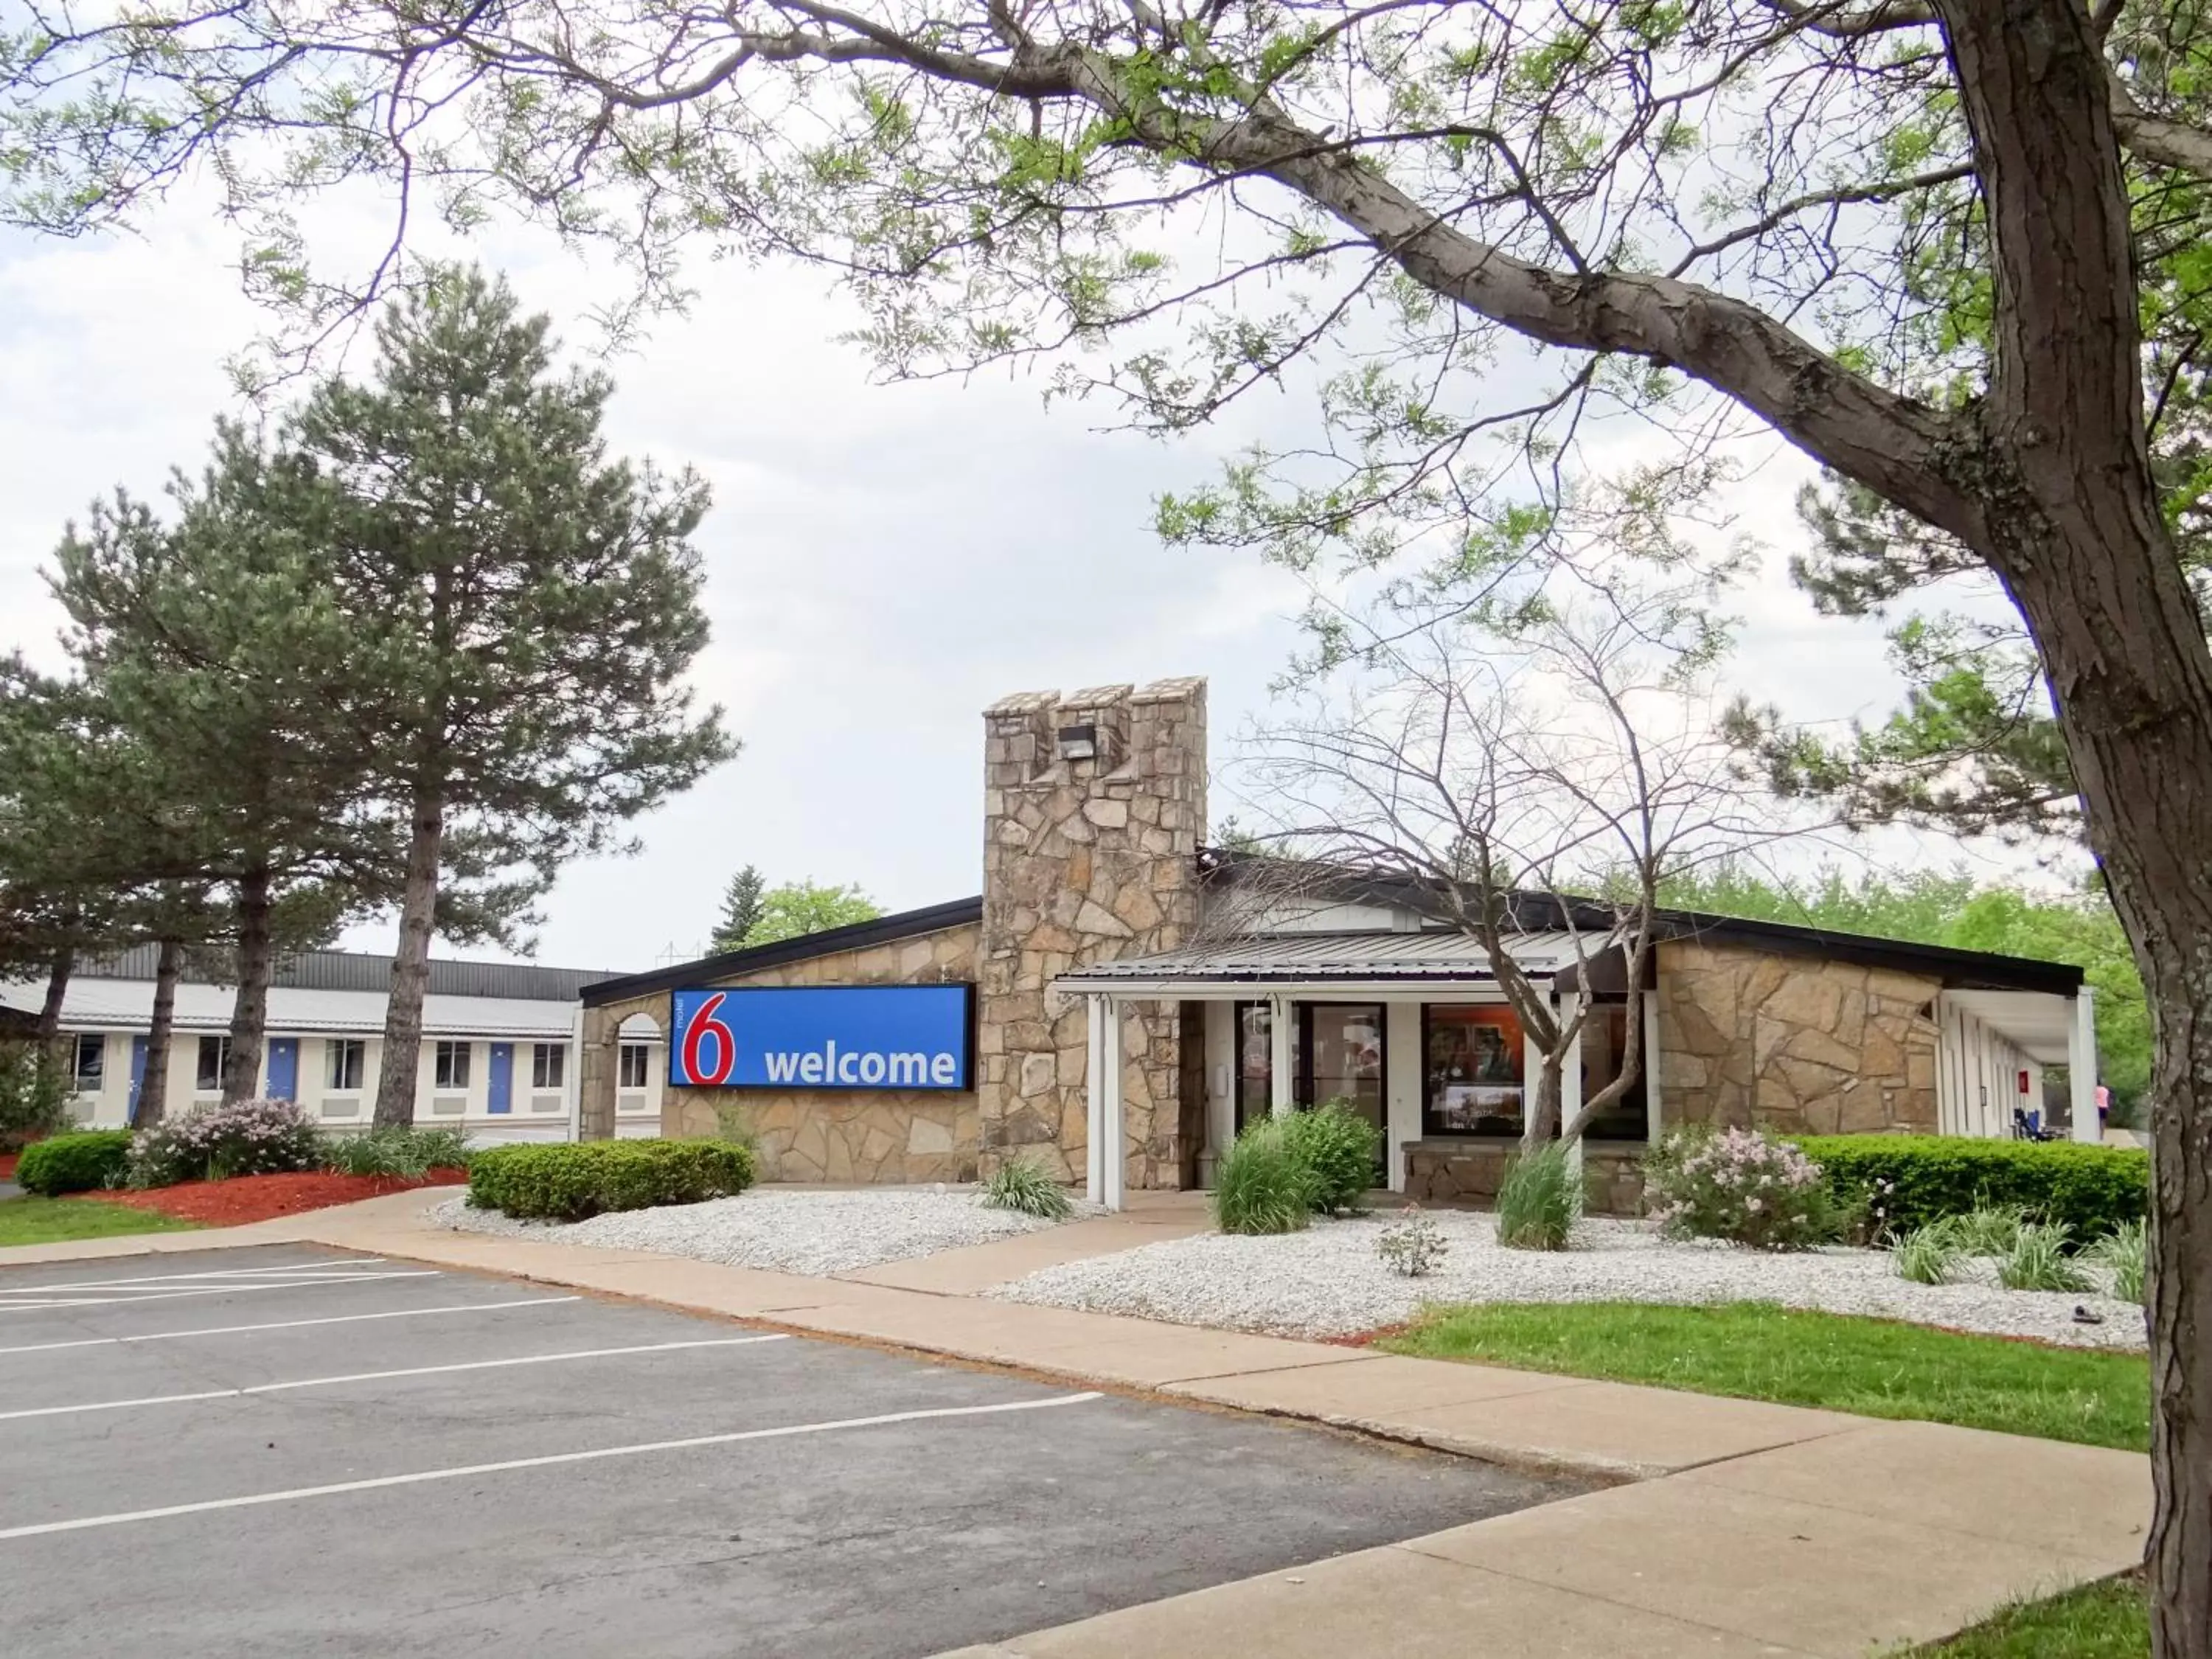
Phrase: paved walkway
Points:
(1738, 1527)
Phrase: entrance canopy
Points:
(1343, 963)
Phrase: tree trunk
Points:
(1543, 1117)
(2072, 523)
(411, 966)
(154, 1085)
(61, 966)
(249, 1013)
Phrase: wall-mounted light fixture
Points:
(1078, 743)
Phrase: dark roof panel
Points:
(884, 930)
(367, 970)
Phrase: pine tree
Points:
(741, 910)
(529, 606)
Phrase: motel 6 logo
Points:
(708, 1046)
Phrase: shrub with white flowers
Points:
(1741, 1185)
(215, 1142)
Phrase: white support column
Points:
(1282, 1080)
(1094, 1099)
(1654, 1122)
(2081, 1067)
(1117, 1146)
(1571, 1079)
(1405, 1067)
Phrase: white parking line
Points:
(347, 1261)
(289, 1324)
(379, 1376)
(233, 1287)
(469, 1471)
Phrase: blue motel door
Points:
(501, 1094)
(283, 1069)
(137, 1078)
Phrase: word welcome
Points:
(827, 1036)
(826, 1065)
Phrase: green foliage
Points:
(57, 1220)
(1987, 1229)
(1414, 1245)
(1260, 1185)
(2091, 1190)
(1756, 1351)
(1928, 1255)
(226, 1139)
(800, 908)
(1539, 1199)
(81, 1163)
(33, 1094)
(2108, 1621)
(570, 1182)
(2123, 1256)
(2040, 1260)
(1743, 1185)
(741, 910)
(1338, 1147)
(1025, 1185)
(408, 1151)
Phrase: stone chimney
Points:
(1094, 806)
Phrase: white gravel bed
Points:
(1328, 1281)
(809, 1233)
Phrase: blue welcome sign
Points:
(822, 1036)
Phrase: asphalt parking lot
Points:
(291, 1451)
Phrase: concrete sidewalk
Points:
(1737, 1527)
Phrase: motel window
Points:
(1475, 1070)
(347, 1064)
(450, 1066)
(548, 1065)
(214, 1060)
(1254, 1065)
(635, 1066)
(89, 1063)
(1605, 1038)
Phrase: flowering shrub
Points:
(1415, 1246)
(1742, 1186)
(213, 1143)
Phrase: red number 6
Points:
(703, 1024)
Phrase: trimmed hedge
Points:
(571, 1180)
(81, 1163)
(2095, 1190)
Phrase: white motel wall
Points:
(499, 1058)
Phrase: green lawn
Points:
(50, 1220)
(1757, 1351)
(2111, 1620)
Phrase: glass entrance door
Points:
(1341, 1058)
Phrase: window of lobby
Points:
(1337, 1052)
(1475, 1071)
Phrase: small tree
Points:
(799, 907)
(741, 910)
(1543, 777)
(528, 610)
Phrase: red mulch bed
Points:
(261, 1198)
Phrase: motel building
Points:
(499, 1058)
(1120, 1000)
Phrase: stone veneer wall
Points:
(1469, 1172)
(829, 1134)
(1797, 1044)
(1085, 860)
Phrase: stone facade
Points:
(1793, 1043)
(1086, 858)
(1468, 1172)
(825, 1135)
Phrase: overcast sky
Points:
(883, 560)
